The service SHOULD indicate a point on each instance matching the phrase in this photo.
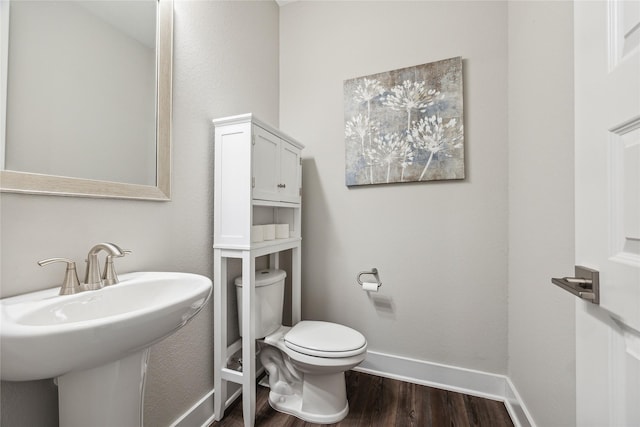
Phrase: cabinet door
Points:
(289, 173)
(266, 165)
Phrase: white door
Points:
(607, 209)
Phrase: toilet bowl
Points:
(306, 366)
(305, 363)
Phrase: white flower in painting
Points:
(389, 149)
(410, 96)
(358, 128)
(435, 136)
(368, 90)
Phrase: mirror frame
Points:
(33, 183)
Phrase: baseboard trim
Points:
(515, 406)
(200, 414)
(452, 378)
(461, 380)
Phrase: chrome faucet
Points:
(92, 278)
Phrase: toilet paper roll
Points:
(370, 286)
(282, 231)
(257, 234)
(269, 231)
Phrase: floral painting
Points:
(405, 125)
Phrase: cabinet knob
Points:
(282, 185)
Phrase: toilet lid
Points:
(324, 339)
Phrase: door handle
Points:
(585, 284)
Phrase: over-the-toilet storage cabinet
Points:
(257, 180)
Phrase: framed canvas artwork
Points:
(405, 125)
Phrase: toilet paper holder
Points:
(373, 272)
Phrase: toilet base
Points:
(325, 400)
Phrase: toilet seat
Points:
(325, 339)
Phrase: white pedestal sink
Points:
(96, 342)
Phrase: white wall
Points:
(440, 247)
(541, 210)
(225, 62)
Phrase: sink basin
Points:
(96, 343)
(46, 335)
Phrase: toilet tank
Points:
(269, 301)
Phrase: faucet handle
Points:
(109, 276)
(70, 284)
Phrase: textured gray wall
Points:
(440, 247)
(541, 209)
(225, 62)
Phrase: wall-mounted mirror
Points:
(86, 97)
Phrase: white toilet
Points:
(306, 362)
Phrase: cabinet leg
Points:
(296, 292)
(249, 404)
(248, 340)
(220, 333)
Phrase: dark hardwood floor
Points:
(383, 402)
